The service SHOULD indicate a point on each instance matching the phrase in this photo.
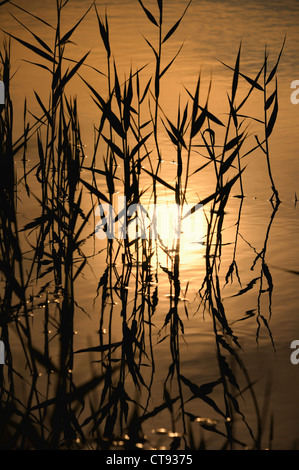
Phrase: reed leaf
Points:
(270, 99)
(229, 161)
(148, 14)
(104, 31)
(32, 15)
(273, 116)
(95, 191)
(115, 149)
(160, 180)
(170, 63)
(33, 48)
(176, 25)
(37, 38)
(139, 145)
(273, 71)
(236, 75)
(68, 35)
(66, 78)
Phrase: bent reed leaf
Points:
(95, 191)
(33, 48)
(176, 25)
(273, 116)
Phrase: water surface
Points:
(264, 323)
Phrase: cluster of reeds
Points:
(124, 142)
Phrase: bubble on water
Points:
(139, 445)
(206, 422)
(174, 434)
(159, 431)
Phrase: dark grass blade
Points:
(139, 145)
(68, 35)
(38, 39)
(104, 31)
(106, 109)
(270, 99)
(252, 82)
(148, 14)
(273, 71)
(46, 113)
(145, 91)
(33, 48)
(67, 77)
(170, 63)
(152, 47)
(233, 142)
(95, 191)
(218, 195)
(115, 149)
(176, 134)
(236, 76)
(38, 65)
(229, 161)
(32, 15)
(211, 116)
(202, 391)
(197, 124)
(273, 116)
(103, 348)
(249, 286)
(76, 395)
(160, 180)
